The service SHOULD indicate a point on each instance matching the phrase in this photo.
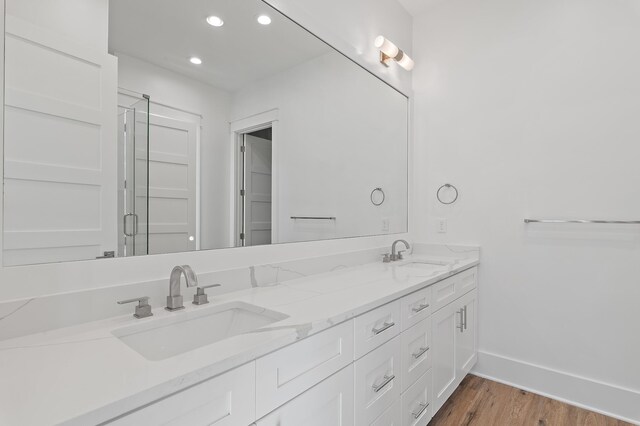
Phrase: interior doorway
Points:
(256, 173)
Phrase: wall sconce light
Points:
(390, 52)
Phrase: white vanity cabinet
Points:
(394, 365)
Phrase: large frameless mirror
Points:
(137, 127)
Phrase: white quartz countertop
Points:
(85, 375)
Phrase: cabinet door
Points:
(446, 325)
(328, 403)
(467, 339)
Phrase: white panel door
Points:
(60, 148)
(445, 325)
(257, 179)
(172, 185)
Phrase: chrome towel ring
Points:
(447, 185)
(377, 196)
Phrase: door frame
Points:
(238, 129)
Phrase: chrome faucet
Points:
(174, 299)
(398, 256)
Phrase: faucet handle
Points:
(143, 309)
(386, 258)
(201, 298)
(399, 257)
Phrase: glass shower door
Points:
(135, 189)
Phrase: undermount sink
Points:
(185, 331)
(429, 265)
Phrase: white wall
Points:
(84, 21)
(531, 109)
(172, 89)
(341, 133)
(32, 281)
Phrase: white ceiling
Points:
(416, 7)
(168, 32)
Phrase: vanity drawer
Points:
(467, 281)
(327, 403)
(416, 402)
(286, 373)
(226, 400)
(416, 352)
(391, 417)
(376, 327)
(446, 291)
(377, 382)
(415, 307)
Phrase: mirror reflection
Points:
(137, 127)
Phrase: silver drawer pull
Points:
(386, 326)
(420, 411)
(420, 308)
(385, 382)
(421, 352)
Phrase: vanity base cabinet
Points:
(394, 365)
(330, 402)
(226, 400)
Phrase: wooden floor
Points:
(482, 402)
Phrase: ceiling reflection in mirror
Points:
(137, 127)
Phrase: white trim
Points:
(604, 398)
(236, 129)
(2, 66)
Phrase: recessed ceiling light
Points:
(195, 60)
(215, 21)
(264, 20)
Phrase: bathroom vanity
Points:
(376, 344)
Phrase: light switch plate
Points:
(442, 226)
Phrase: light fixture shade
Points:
(195, 60)
(405, 61)
(386, 46)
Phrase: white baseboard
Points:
(603, 398)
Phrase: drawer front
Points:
(226, 400)
(415, 307)
(416, 352)
(391, 417)
(467, 281)
(377, 383)
(376, 327)
(416, 402)
(446, 291)
(328, 403)
(288, 372)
